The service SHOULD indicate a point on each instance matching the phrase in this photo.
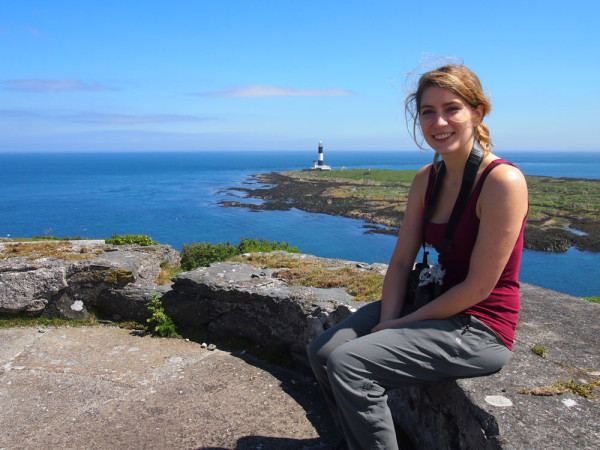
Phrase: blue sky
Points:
(282, 75)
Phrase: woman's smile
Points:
(440, 137)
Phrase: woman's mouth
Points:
(440, 137)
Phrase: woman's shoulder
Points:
(422, 176)
(503, 177)
(502, 170)
(425, 171)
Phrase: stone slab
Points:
(105, 387)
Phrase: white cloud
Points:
(260, 90)
(55, 85)
(100, 118)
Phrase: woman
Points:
(469, 329)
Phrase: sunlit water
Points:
(174, 198)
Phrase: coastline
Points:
(548, 230)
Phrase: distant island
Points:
(564, 212)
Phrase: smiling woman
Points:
(466, 331)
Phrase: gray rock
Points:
(28, 287)
(76, 278)
(238, 300)
(488, 412)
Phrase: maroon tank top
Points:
(500, 310)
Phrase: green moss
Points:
(120, 277)
(204, 254)
(130, 239)
(362, 175)
(583, 390)
(28, 320)
(363, 285)
(539, 350)
(37, 250)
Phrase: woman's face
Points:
(447, 121)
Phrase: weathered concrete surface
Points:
(105, 387)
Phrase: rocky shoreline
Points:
(285, 190)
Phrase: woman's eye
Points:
(426, 112)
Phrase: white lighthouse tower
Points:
(318, 165)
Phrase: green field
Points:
(559, 200)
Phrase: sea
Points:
(174, 197)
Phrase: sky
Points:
(129, 75)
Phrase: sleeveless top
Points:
(500, 310)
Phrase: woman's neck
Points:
(455, 164)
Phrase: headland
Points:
(564, 212)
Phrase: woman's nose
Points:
(440, 119)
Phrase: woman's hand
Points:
(387, 324)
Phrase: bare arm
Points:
(501, 208)
(407, 246)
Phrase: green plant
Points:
(592, 299)
(48, 238)
(25, 320)
(160, 323)
(167, 272)
(539, 350)
(583, 390)
(204, 254)
(56, 249)
(362, 285)
(129, 239)
(251, 245)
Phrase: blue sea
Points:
(174, 198)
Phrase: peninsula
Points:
(564, 212)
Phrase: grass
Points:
(583, 390)
(25, 320)
(561, 387)
(592, 299)
(363, 285)
(57, 249)
(550, 198)
(361, 175)
(48, 238)
(563, 197)
(167, 272)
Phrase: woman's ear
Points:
(478, 114)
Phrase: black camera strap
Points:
(469, 175)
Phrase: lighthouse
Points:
(321, 154)
(318, 165)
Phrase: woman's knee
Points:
(317, 351)
(341, 362)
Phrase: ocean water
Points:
(174, 198)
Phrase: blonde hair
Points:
(463, 82)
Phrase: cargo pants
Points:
(355, 367)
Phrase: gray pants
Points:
(355, 368)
